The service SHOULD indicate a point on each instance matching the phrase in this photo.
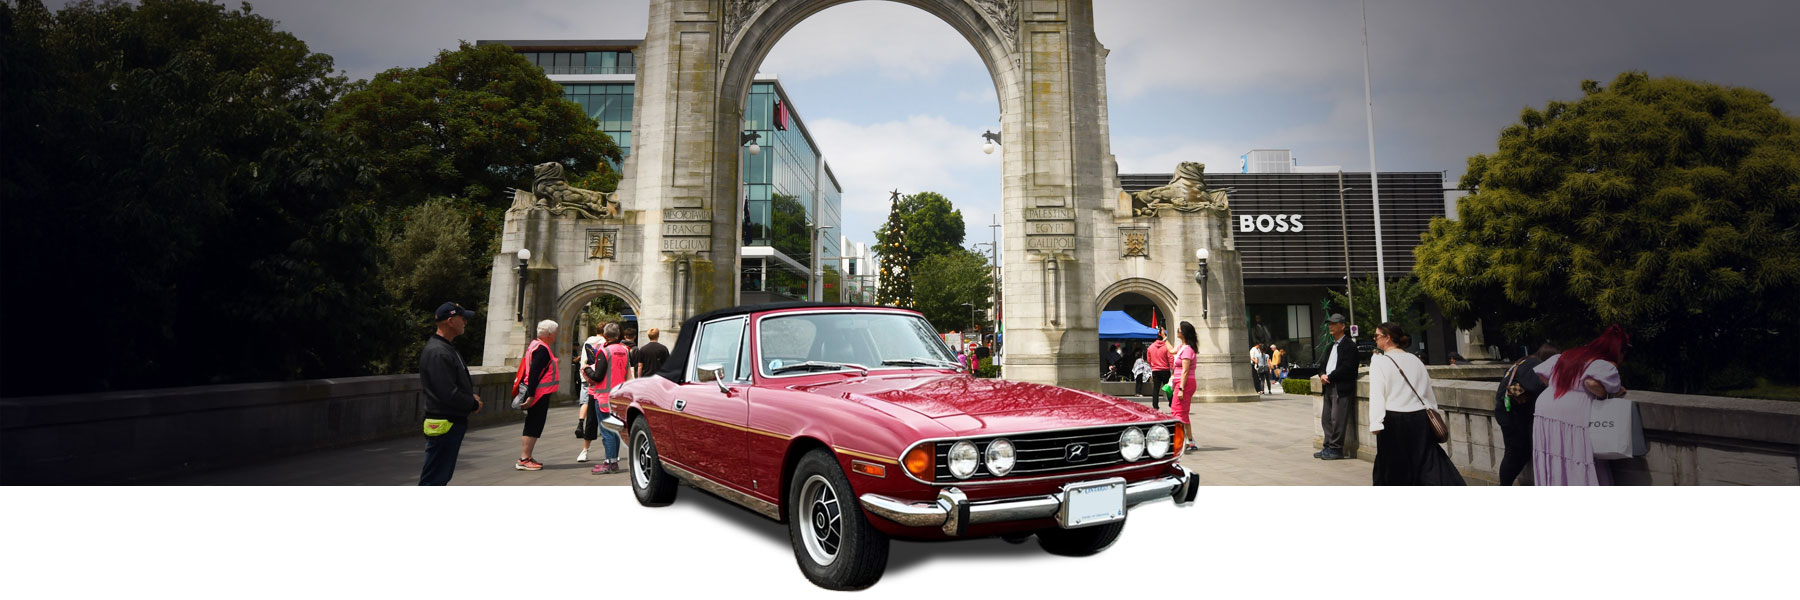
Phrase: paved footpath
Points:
(1253, 443)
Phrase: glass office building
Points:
(791, 203)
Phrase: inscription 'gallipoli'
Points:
(1050, 243)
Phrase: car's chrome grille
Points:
(1042, 453)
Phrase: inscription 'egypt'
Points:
(1051, 228)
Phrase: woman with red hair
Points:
(1559, 434)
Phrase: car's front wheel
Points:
(834, 543)
(1086, 541)
(649, 482)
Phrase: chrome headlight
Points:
(963, 459)
(1159, 441)
(1000, 457)
(1131, 444)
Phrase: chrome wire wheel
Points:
(642, 458)
(824, 529)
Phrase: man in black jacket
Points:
(449, 394)
(1340, 388)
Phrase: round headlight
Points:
(1131, 444)
(1000, 457)
(963, 459)
(1159, 441)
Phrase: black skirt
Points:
(1406, 454)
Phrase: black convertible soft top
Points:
(675, 368)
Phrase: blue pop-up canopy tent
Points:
(1116, 325)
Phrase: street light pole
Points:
(1200, 278)
(1344, 225)
(1374, 179)
(524, 257)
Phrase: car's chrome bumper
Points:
(613, 424)
(953, 511)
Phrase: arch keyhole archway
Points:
(696, 65)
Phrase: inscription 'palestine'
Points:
(1049, 214)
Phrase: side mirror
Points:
(712, 372)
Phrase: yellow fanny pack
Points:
(437, 427)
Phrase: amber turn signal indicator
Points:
(1179, 440)
(870, 469)
(918, 462)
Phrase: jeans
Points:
(440, 455)
(608, 439)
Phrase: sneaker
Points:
(613, 467)
(1319, 454)
(1190, 449)
(599, 470)
(581, 457)
(1332, 455)
(526, 464)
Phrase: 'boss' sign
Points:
(1268, 223)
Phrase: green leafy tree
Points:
(1406, 306)
(428, 264)
(174, 147)
(1669, 206)
(933, 226)
(948, 281)
(896, 288)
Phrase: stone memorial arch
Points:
(677, 235)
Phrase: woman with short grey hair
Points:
(537, 378)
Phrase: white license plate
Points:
(1093, 503)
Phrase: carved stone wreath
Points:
(1002, 15)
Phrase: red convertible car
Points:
(855, 424)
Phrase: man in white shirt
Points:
(1339, 378)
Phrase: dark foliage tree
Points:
(173, 212)
(1669, 206)
(946, 282)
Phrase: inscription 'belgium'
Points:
(1049, 214)
(687, 244)
(1051, 228)
(697, 228)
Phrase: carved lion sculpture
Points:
(560, 198)
(1185, 192)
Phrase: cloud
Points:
(918, 153)
(897, 41)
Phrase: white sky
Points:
(897, 99)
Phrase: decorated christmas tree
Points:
(896, 277)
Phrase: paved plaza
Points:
(1253, 443)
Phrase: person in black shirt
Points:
(649, 358)
(449, 394)
(1514, 409)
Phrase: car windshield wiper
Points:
(924, 362)
(818, 365)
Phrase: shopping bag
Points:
(1614, 429)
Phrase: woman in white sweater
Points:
(1406, 450)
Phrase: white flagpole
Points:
(1374, 181)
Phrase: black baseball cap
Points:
(451, 309)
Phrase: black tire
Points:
(1016, 538)
(856, 553)
(1086, 541)
(649, 482)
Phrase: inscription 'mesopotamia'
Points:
(686, 214)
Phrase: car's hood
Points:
(949, 398)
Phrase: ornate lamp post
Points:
(993, 139)
(524, 257)
(1200, 278)
(751, 137)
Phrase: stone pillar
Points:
(1223, 351)
(1472, 344)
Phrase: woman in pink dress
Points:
(1562, 452)
(1184, 384)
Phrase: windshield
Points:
(849, 340)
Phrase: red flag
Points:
(1153, 319)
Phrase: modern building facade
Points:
(791, 202)
(1296, 247)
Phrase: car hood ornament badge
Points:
(1075, 453)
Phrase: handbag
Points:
(1615, 431)
(1439, 429)
(1513, 389)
